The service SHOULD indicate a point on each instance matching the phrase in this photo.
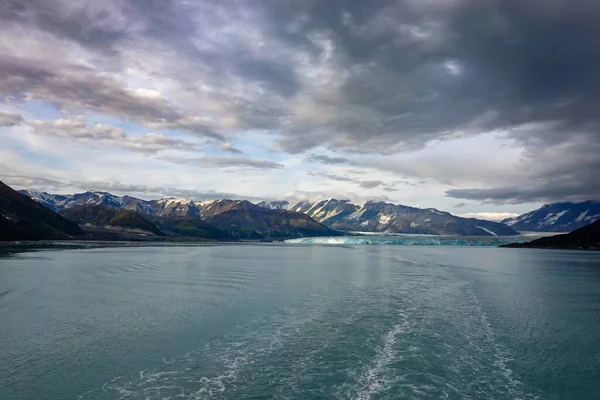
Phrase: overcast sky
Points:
(470, 106)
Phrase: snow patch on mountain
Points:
(357, 214)
(582, 216)
(384, 219)
(487, 230)
(552, 218)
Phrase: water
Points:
(300, 322)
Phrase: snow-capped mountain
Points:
(212, 208)
(162, 207)
(557, 217)
(57, 202)
(171, 207)
(392, 218)
(274, 205)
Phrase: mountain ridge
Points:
(557, 217)
(338, 215)
(221, 219)
(382, 217)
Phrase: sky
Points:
(478, 107)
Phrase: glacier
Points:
(413, 240)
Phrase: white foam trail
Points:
(371, 381)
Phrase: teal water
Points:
(300, 322)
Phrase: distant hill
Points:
(22, 218)
(557, 217)
(111, 218)
(193, 227)
(586, 238)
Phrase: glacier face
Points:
(413, 240)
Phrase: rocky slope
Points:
(557, 217)
(110, 218)
(392, 218)
(24, 219)
(192, 227)
(244, 219)
(586, 238)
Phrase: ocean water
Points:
(290, 321)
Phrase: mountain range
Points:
(381, 217)
(103, 214)
(240, 219)
(277, 219)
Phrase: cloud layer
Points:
(373, 85)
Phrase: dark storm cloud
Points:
(420, 70)
(402, 73)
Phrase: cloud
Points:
(76, 88)
(366, 184)
(490, 216)
(154, 191)
(323, 159)
(308, 195)
(565, 171)
(373, 78)
(25, 181)
(105, 135)
(10, 119)
(224, 162)
(229, 148)
(370, 184)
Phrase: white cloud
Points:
(491, 216)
